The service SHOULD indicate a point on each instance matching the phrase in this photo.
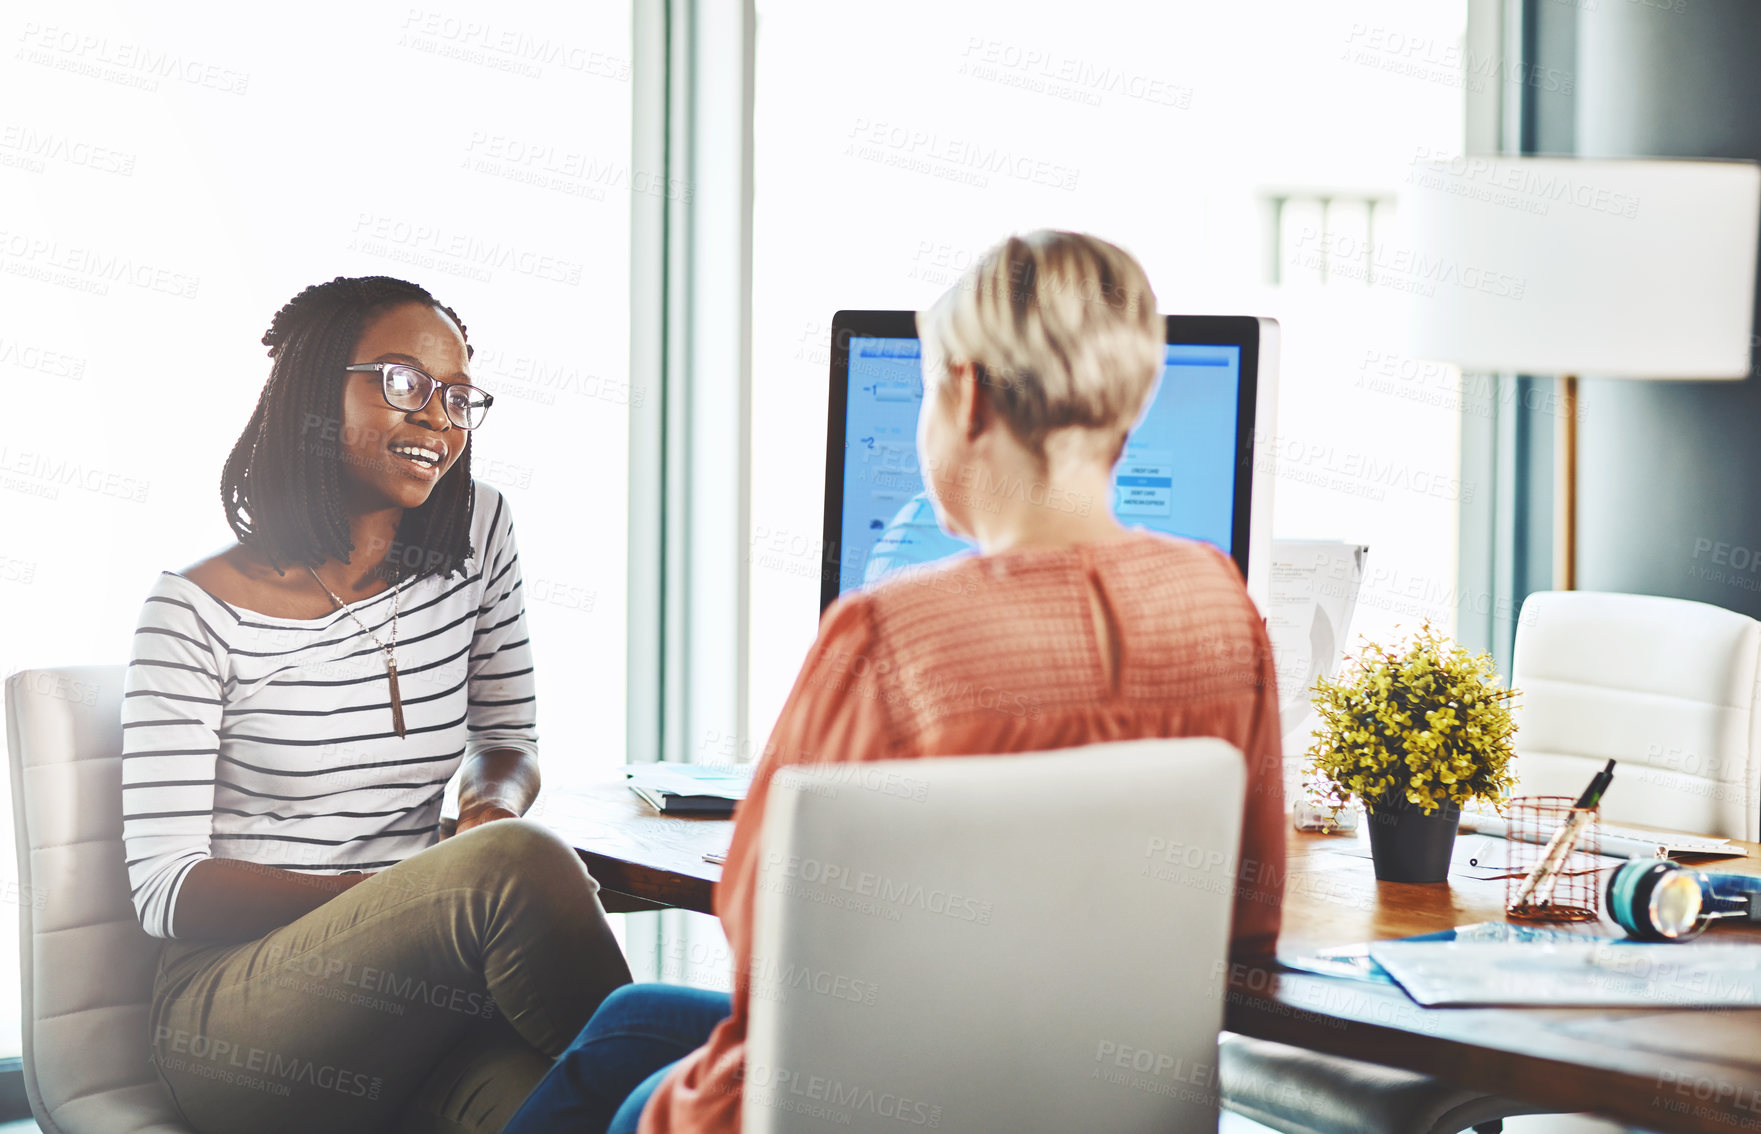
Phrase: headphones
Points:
(1661, 900)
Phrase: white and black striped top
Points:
(269, 739)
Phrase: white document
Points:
(1313, 592)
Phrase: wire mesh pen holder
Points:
(1569, 890)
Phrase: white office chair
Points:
(87, 964)
(1664, 686)
(1022, 943)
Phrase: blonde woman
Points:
(1036, 365)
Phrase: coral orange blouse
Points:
(1000, 654)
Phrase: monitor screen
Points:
(1181, 473)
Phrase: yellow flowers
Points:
(1426, 720)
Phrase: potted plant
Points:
(1414, 731)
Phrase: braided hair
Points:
(282, 486)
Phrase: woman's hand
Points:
(232, 900)
(499, 783)
(483, 813)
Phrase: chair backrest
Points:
(1665, 686)
(1021, 943)
(87, 964)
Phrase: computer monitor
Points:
(1188, 468)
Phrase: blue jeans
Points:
(604, 1079)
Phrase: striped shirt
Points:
(269, 740)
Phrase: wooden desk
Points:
(642, 859)
(1660, 1069)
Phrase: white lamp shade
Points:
(1629, 269)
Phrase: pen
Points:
(1558, 850)
(1582, 814)
(1593, 794)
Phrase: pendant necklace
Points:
(390, 651)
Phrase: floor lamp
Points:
(1569, 267)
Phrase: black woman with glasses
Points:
(295, 707)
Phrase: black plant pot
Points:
(1406, 845)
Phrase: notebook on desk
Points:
(705, 790)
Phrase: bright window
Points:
(171, 175)
(893, 147)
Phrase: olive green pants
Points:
(430, 998)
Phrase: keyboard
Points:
(1680, 844)
(1622, 841)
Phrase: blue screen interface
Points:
(1177, 475)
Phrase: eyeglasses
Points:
(409, 389)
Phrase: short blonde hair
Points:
(1061, 330)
